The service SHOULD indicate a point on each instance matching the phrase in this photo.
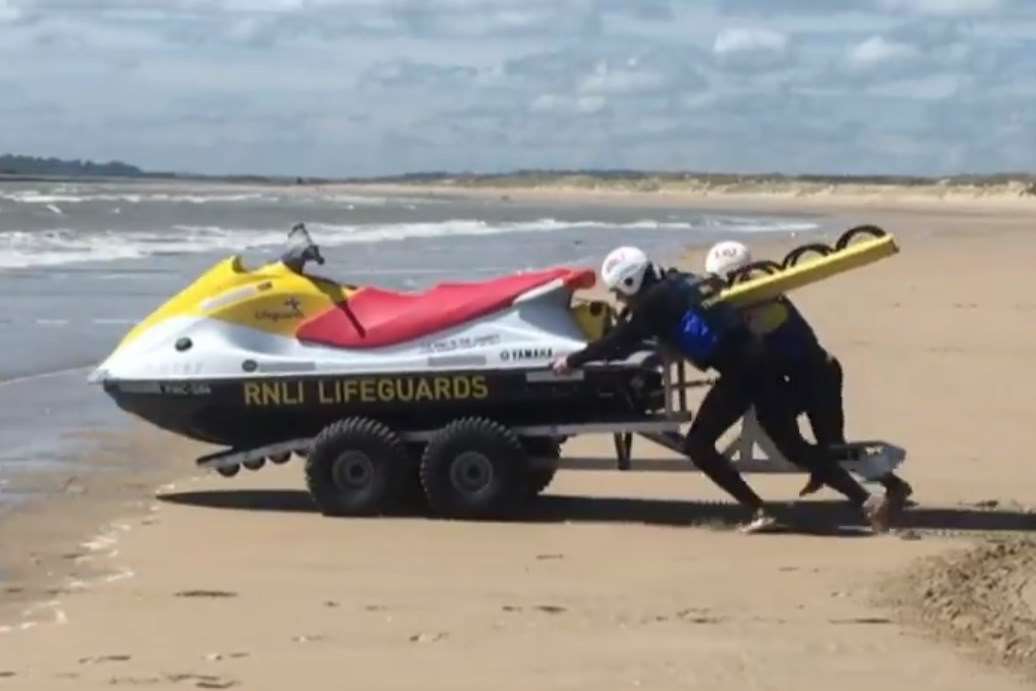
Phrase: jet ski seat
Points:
(374, 318)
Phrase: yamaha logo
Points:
(526, 354)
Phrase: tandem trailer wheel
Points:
(544, 460)
(356, 467)
(474, 468)
(413, 497)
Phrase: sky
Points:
(374, 87)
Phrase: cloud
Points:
(749, 40)
(877, 51)
(352, 87)
(409, 74)
(942, 8)
(935, 87)
(625, 79)
(555, 103)
(8, 12)
(938, 8)
(752, 48)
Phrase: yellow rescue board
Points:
(808, 271)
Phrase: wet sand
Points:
(613, 580)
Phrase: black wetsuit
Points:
(815, 379)
(668, 309)
(814, 375)
(660, 308)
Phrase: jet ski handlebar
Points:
(301, 249)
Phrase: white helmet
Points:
(624, 268)
(726, 257)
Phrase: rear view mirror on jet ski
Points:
(444, 395)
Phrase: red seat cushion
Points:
(373, 317)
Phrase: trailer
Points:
(479, 468)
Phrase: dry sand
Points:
(613, 580)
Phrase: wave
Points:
(20, 249)
(35, 197)
(348, 201)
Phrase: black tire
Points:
(412, 494)
(474, 468)
(355, 468)
(544, 459)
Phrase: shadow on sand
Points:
(815, 517)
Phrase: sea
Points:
(82, 262)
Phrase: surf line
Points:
(43, 375)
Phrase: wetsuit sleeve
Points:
(647, 319)
(623, 336)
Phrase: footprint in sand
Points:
(219, 657)
(429, 637)
(697, 616)
(1028, 596)
(134, 681)
(308, 639)
(206, 593)
(551, 609)
(203, 681)
(861, 620)
(104, 658)
(6, 675)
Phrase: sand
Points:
(613, 580)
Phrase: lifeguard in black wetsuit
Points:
(813, 373)
(667, 306)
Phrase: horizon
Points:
(1005, 175)
(353, 89)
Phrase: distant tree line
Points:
(11, 164)
(546, 176)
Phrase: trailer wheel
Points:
(355, 468)
(474, 468)
(413, 496)
(544, 459)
